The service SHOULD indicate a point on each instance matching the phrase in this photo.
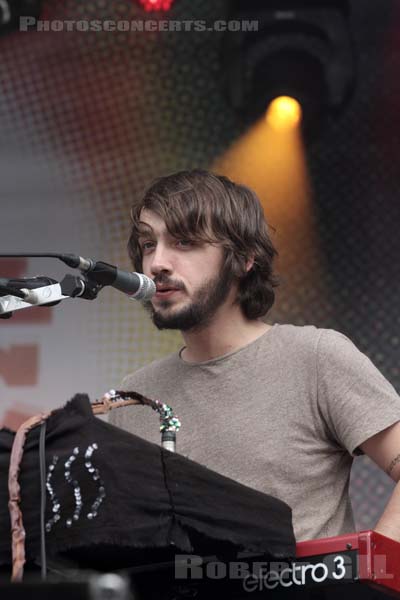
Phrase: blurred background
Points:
(298, 100)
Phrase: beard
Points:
(199, 313)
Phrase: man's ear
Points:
(249, 263)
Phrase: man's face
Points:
(190, 276)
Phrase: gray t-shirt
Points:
(284, 414)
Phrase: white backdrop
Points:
(38, 214)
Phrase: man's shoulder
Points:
(304, 334)
(151, 372)
(309, 339)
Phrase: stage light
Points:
(11, 11)
(301, 48)
(156, 5)
(274, 164)
(284, 113)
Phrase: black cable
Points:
(42, 461)
(11, 291)
(35, 255)
(72, 260)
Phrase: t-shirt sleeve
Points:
(355, 399)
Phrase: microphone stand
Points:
(17, 294)
(70, 287)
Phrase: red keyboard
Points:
(366, 557)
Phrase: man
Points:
(280, 408)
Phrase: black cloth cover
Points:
(154, 499)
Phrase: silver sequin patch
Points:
(68, 476)
(56, 506)
(95, 473)
(77, 490)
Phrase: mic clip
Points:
(84, 287)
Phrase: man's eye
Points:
(147, 246)
(185, 243)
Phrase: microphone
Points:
(135, 285)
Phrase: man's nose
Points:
(161, 260)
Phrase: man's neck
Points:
(222, 336)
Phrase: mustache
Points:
(165, 280)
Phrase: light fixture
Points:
(302, 49)
(11, 11)
(156, 5)
(284, 113)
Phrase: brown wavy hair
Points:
(201, 206)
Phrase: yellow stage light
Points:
(273, 163)
(284, 113)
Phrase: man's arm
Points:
(384, 449)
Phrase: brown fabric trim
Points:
(14, 490)
(104, 405)
(108, 402)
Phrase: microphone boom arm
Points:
(70, 287)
